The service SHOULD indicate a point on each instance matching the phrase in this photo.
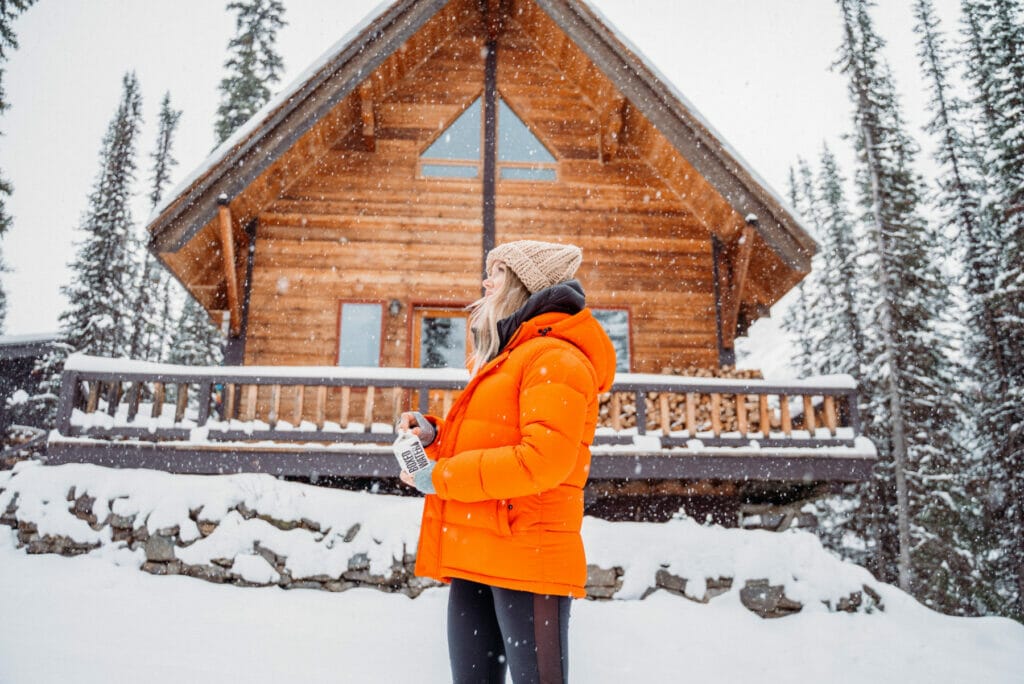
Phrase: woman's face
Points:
(495, 279)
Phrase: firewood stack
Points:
(625, 404)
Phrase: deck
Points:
(327, 421)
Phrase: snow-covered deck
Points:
(333, 421)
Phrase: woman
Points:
(504, 505)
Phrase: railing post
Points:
(640, 401)
(205, 391)
(133, 400)
(852, 399)
(68, 387)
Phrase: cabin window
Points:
(360, 331)
(616, 323)
(458, 151)
(442, 337)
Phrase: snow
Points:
(97, 364)
(63, 615)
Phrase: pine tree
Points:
(9, 11)
(796, 319)
(907, 372)
(833, 339)
(961, 189)
(99, 295)
(151, 312)
(841, 323)
(994, 32)
(196, 341)
(253, 64)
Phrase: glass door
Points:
(440, 340)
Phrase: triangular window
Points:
(458, 151)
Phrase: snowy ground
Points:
(84, 620)
(97, 618)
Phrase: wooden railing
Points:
(101, 398)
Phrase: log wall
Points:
(360, 225)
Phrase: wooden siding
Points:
(360, 224)
(342, 215)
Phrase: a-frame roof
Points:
(279, 125)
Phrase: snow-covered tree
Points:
(152, 317)
(831, 339)
(797, 318)
(843, 351)
(196, 341)
(101, 291)
(253, 65)
(994, 32)
(907, 374)
(9, 11)
(960, 192)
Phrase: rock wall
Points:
(263, 561)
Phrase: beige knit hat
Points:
(538, 264)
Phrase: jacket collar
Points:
(565, 298)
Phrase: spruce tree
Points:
(907, 375)
(152, 309)
(994, 32)
(960, 195)
(9, 11)
(253, 64)
(100, 294)
(840, 323)
(196, 342)
(796, 319)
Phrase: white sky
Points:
(758, 71)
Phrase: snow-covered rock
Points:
(254, 529)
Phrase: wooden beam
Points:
(366, 110)
(493, 11)
(613, 128)
(739, 267)
(227, 250)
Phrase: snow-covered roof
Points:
(24, 346)
(331, 78)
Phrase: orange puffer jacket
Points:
(512, 459)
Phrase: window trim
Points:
(478, 164)
(383, 326)
(629, 331)
(457, 311)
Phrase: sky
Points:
(759, 72)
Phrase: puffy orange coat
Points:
(513, 456)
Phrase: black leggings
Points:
(492, 629)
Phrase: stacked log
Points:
(729, 420)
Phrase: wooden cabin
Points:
(368, 194)
(341, 232)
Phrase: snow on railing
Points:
(118, 399)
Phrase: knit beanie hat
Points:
(538, 264)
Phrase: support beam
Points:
(490, 106)
(227, 249)
(613, 128)
(739, 267)
(367, 116)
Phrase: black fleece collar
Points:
(564, 297)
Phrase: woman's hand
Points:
(421, 480)
(417, 424)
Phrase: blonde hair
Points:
(485, 313)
